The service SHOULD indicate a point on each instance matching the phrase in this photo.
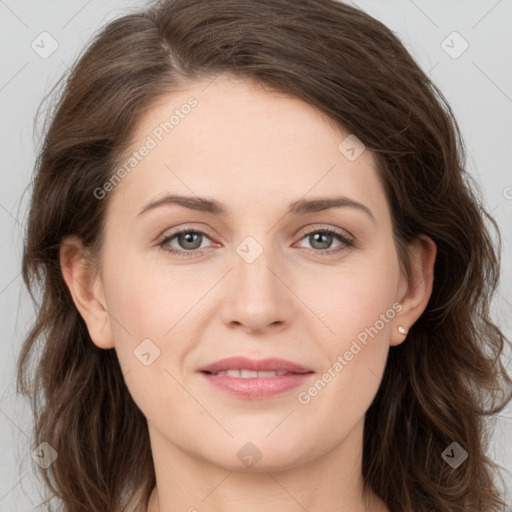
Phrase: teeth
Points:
(250, 374)
(270, 374)
(246, 374)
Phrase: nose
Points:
(259, 294)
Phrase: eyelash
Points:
(346, 242)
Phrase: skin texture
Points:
(255, 151)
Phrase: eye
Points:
(322, 239)
(188, 242)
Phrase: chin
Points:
(259, 456)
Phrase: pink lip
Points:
(256, 387)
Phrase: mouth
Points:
(254, 379)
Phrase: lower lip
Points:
(257, 387)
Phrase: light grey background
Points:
(477, 84)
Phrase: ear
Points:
(84, 282)
(414, 290)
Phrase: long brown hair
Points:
(441, 385)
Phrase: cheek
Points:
(145, 311)
(360, 314)
(356, 358)
(361, 297)
(149, 299)
(150, 311)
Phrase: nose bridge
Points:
(258, 297)
(252, 268)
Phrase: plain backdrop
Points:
(465, 46)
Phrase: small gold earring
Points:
(401, 330)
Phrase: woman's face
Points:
(260, 279)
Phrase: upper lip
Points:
(260, 365)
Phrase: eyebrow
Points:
(300, 207)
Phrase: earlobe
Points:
(86, 288)
(416, 288)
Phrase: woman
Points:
(265, 273)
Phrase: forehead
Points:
(234, 139)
